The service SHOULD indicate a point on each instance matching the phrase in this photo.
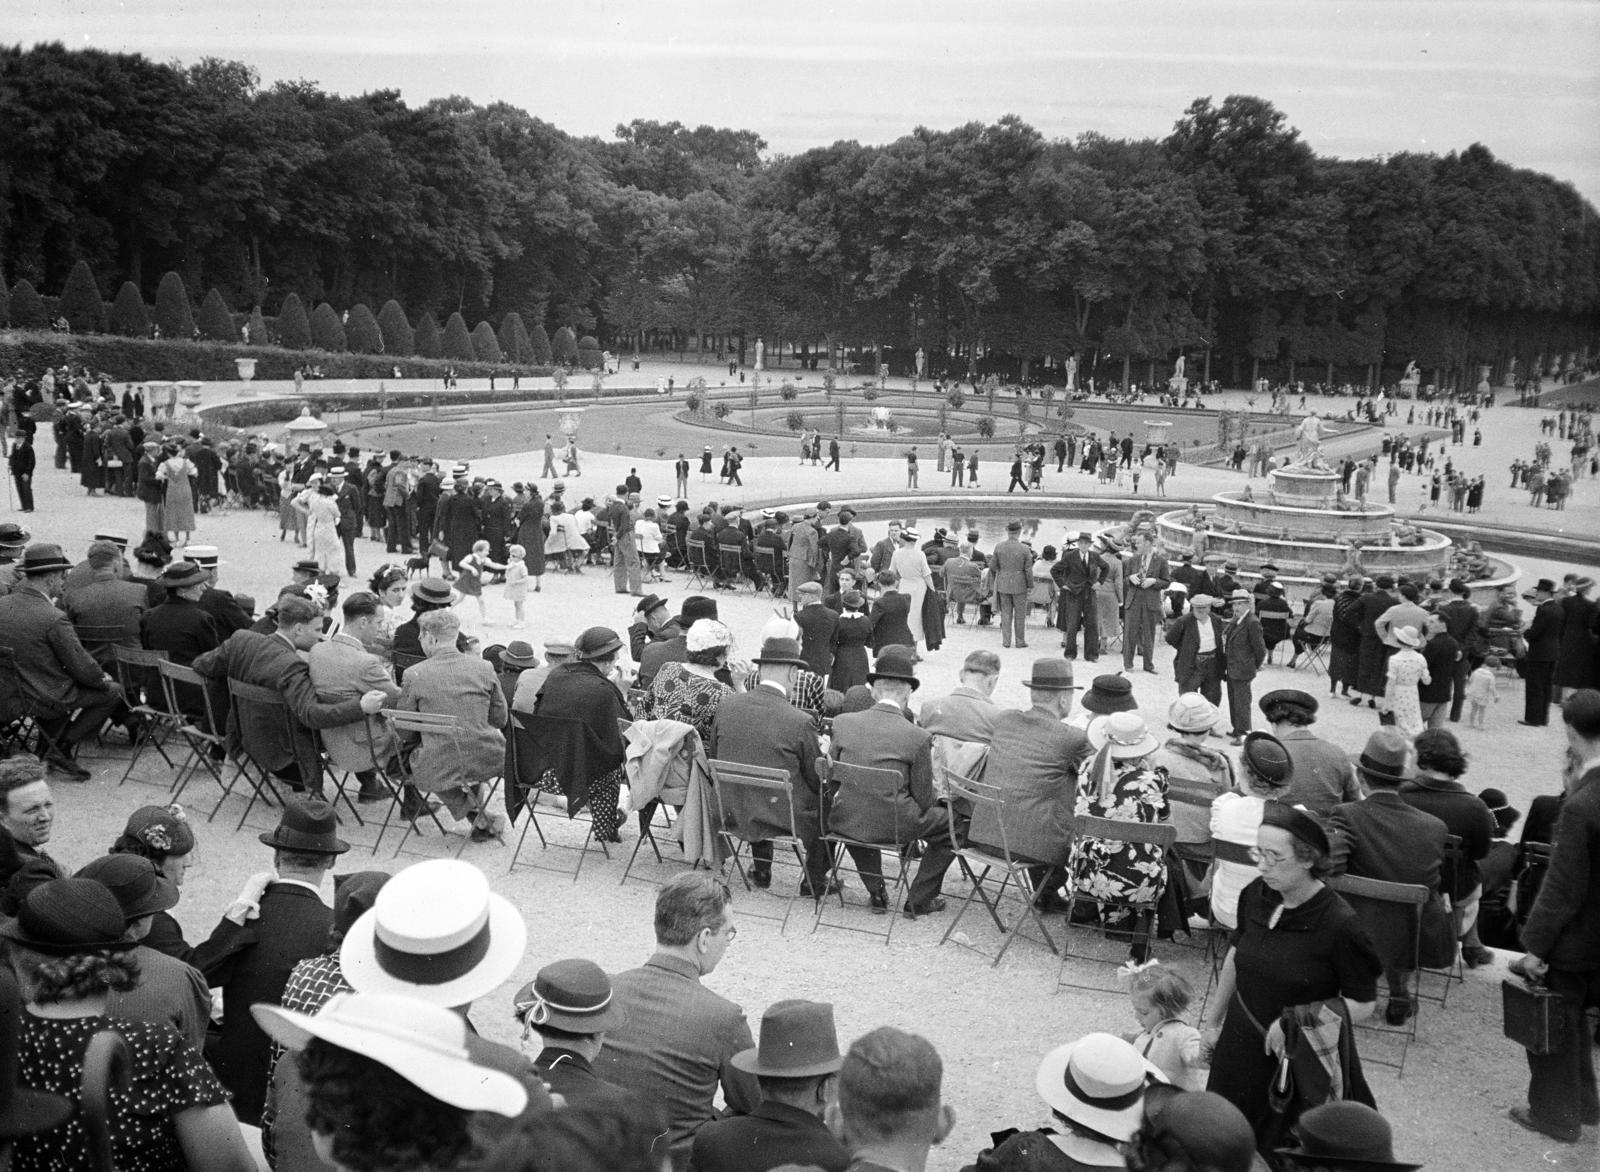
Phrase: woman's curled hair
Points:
(375, 1119)
(84, 975)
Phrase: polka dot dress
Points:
(168, 1076)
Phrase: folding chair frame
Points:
(976, 794)
(834, 776)
(200, 741)
(27, 719)
(774, 787)
(659, 805)
(1414, 896)
(262, 785)
(1158, 834)
(133, 667)
(531, 795)
(698, 555)
(423, 724)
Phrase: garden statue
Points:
(1177, 383)
(922, 362)
(761, 354)
(1072, 372)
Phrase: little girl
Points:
(472, 568)
(1160, 997)
(1482, 690)
(516, 582)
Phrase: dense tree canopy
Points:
(987, 245)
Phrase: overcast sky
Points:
(1357, 77)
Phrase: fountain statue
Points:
(1411, 379)
(1072, 372)
(1177, 384)
(1308, 437)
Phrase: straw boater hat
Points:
(427, 1045)
(434, 592)
(1098, 1082)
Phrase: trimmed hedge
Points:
(564, 346)
(25, 354)
(80, 301)
(485, 345)
(428, 343)
(294, 327)
(457, 344)
(173, 314)
(129, 317)
(260, 335)
(398, 338)
(215, 321)
(327, 331)
(362, 331)
(589, 356)
(541, 346)
(27, 310)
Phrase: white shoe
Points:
(518, 626)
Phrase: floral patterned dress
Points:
(1122, 872)
(677, 693)
(1407, 668)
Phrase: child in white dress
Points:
(1482, 690)
(1160, 997)
(517, 582)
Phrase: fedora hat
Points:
(140, 889)
(1110, 693)
(63, 917)
(1051, 674)
(1240, 595)
(307, 566)
(43, 557)
(895, 664)
(781, 651)
(694, 608)
(650, 602)
(1098, 1082)
(1122, 735)
(519, 654)
(570, 995)
(181, 574)
(12, 534)
(435, 932)
(433, 591)
(120, 540)
(163, 829)
(23, 1111)
(307, 824)
(1344, 1134)
(596, 643)
(427, 1045)
(1192, 713)
(797, 1040)
(1387, 757)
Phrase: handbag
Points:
(1532, 1015)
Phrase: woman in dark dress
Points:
(705, 461)
(850, 640)
(891, 614)
(1344, 639)
(1298, 943)
(531, 534)
(161, 834)
(90, 473)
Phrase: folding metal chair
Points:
(1456, 971)
(982, 854)
(756, 804)
(23, 713)
(1142, 913)
(401, 660)
(101, 640)
(434, 727)
(730, 567)
(858, 809)
(136, 672)
(699, 555)
(1315, 657)
(669, 798)
(531, 733)
(244, 697)
(774, 567)
(1216, 951)
(1409, 898)
(206, 747)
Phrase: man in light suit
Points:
(1197, 636)
(882, 738)
(762, 727)
(285, 748)
(1012, 565)
(261, 938)
(1244, 650)
(1145, 581)
(676, 1043)
(342, 668)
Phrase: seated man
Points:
(285, 748)
(57, 675)
(1034, 760)
(344, 668)
(891, 1110)
(1383, 837)
(459, 766)
(962, 723)
(108, 603)
(180, 627)
(882, 738)
(28, 815)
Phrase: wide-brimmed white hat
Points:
(424, 1044)
(436, 932)
(1407, 636)
(1098, 1082)
(706, 634)
(1122, 735)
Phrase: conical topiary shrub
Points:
(80, 301)
(589, 352)
(398, 338)
(541, 345)
(361, 331)
(564, 346)
(259, 334)
(485, 346)
(294, 327)
(173, 314)
(129, 317)
(27, 309)
(327, 331)
(457, 342)
(5, 304)
(215, 321)
(514, 344)
(429, 341)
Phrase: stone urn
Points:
(189, 397)
(246, 367)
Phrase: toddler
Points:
(1482, 690)
(1160, 997)
(473, 568)
(516, 582)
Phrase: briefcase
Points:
(1533, 1016)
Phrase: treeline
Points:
(988, 246)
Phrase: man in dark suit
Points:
(677, 1039)
(797, 1065)
(272, 927)
(882, 738)
(1562, 939)
(817, 624)
(1195, 579)
(286, 748)
(1244, 650)
(569, 1004)
(1464, 623)
(107, 608)
(842, 544)
(426, 495)
(1544, 648)
(1197, 636)
(1012, 563)
(1385, 837)
(230, 613)
(351, 508)
(763, 727)
(1076, 574)
(1145, 581)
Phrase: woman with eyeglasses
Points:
(1298, 945)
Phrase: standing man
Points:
(622, 516)
(1562, 939)
(1012, 564)
(350, 511)
(549, 470)
(1077, 573)
(396, 487)
(805, 552)
(23, 462)
(1244, 650)
(1197, 636)
(1146, 581)
(817, 623)
(680, 471)
(1464, 622)
(833, 455)
(426, 495)
(676, 1044)
(1544, 648)
(1017, 476)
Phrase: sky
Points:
(1358, 78)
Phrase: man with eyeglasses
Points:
(678, 1038)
